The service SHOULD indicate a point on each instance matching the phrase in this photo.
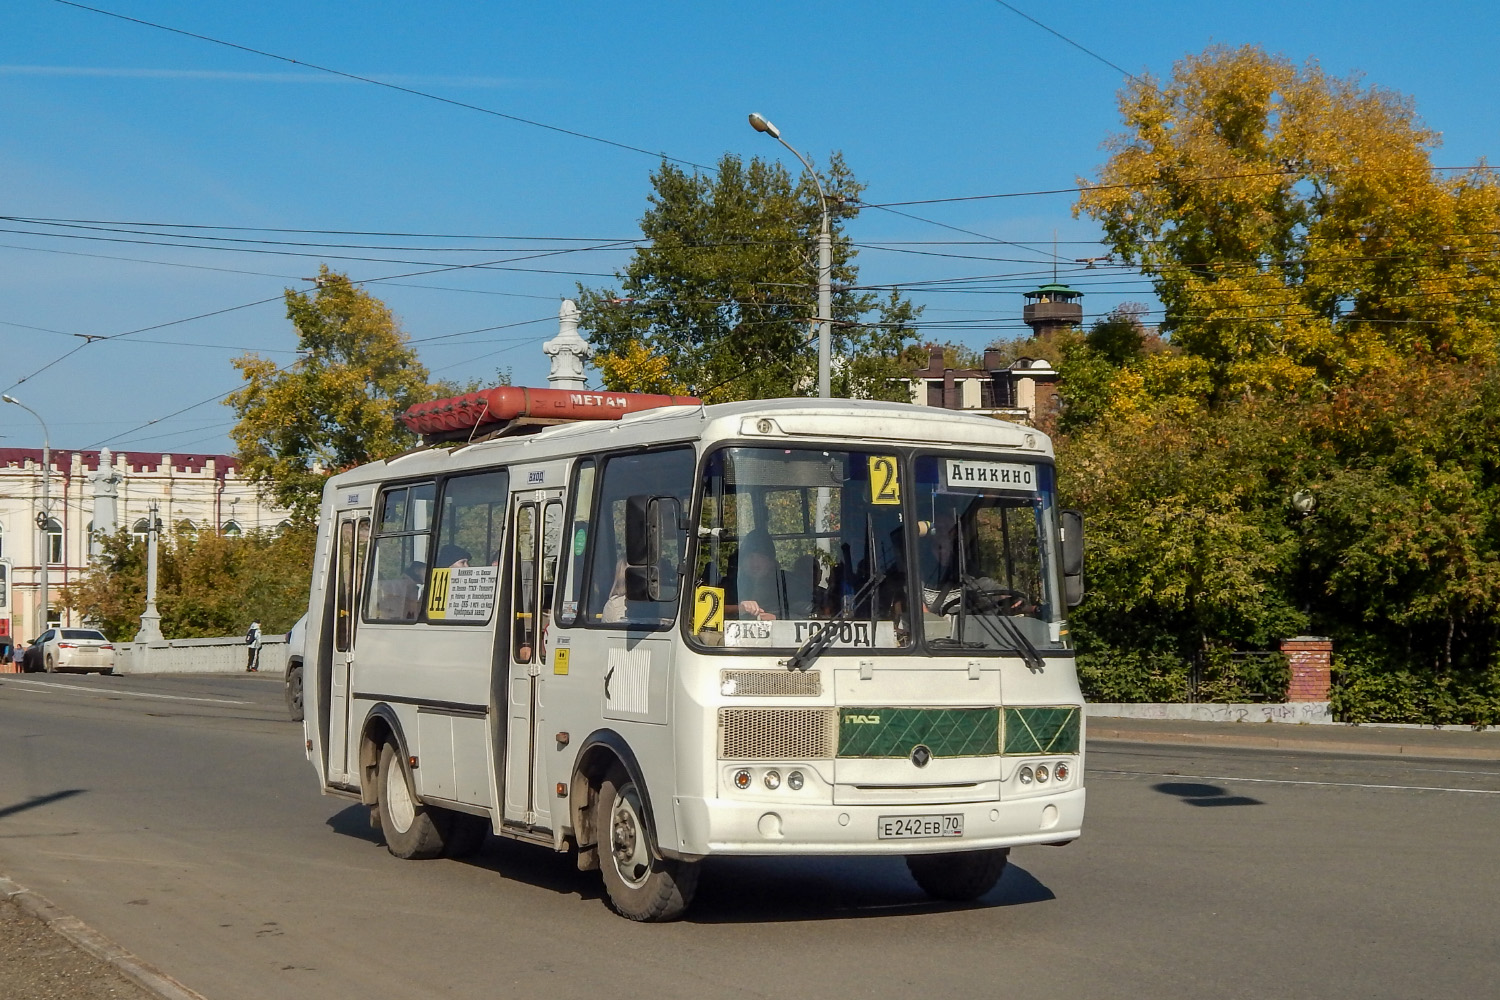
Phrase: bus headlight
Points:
(773, 780)
(742, 779)
(794, 781)
(1041, 773)
(1025, 775)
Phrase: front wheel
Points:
(294, 692)
(640, 886)
(409, 827)
(959, 877)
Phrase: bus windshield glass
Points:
(795, 543)
(987, 578)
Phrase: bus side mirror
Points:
(651, 539)
(1071, 524)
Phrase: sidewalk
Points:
(1384, 741)
(47, 955)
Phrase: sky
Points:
(163, 190)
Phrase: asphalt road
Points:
(178, 817)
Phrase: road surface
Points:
(178, 817)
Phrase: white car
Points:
(79, 649)
(294, 658)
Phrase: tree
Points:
(207, 584)
(718, 300)
(337, 405)
(1296, 231)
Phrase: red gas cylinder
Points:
(475, 410)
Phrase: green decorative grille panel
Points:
(1042, 730)
(895, 732)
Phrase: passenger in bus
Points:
(453, 555)
(755, 586)
(614, 604)
(412, 581)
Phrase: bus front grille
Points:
(770, 683)
(777, 733)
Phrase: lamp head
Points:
(11, 399)
(759, 123)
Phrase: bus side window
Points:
(523, 583)
(398, 569)
(575, 547)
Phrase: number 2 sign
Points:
(885, 482)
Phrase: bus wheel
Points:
(640, 887)
(409, 829)
(959, 877)
(294, 692)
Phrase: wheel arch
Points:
(380, 726)
(600, 751)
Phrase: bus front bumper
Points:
(710, 826)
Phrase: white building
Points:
(96, 493)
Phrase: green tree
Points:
(207, 584)
(337, 405)
(1296, 231)
(717, 301)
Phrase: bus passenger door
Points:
(535, 540)
(349, 578)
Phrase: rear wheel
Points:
(51, 667)
(959, 877)
(409, 827)
(640, 886)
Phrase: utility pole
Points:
(43, 516)
(825, 259)
(150, 618)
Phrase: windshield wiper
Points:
(817, 642)
(998, 619)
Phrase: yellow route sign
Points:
(708, 609)
(885, 480)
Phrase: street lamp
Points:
(41, 520)
(825, 256)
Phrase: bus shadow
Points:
(529, 864)
(766, 890)
(743, 890)
(1196, 794)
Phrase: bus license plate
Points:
(915, 827)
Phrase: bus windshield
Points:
(794, 542)
(987, 578)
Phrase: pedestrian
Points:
(252, 640)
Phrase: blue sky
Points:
(103, 120)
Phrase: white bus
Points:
(776, 628)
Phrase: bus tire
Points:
(959, 877)
(294, 692)
(410, 829)
(639, 886)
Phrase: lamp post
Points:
(825, 257)
(42, 518)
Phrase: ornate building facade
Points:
(94, 493)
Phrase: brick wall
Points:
(1310, 658)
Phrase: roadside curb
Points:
(1249, 741)
(96, 944)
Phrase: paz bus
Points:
(651, 631)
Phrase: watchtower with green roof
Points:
(1052, 307)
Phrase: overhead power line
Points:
(381, 83)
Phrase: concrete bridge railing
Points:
(224, 655)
